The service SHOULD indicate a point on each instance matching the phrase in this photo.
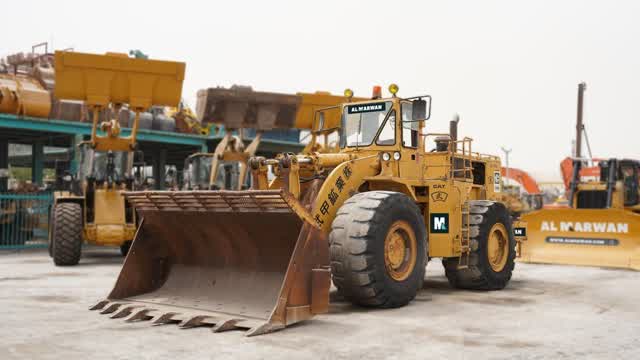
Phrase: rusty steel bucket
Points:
(226, 259)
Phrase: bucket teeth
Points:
(124, 312)
(140, 315)
(225, 325)
(264, 329)
(111, 308)
(199, 320)
(100, 305)
(166, 318)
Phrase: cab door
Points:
(630, 178)
(410, 162)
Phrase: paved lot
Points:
(546, 312)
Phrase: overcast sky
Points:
(509, 68)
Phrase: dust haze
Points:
(509, 68)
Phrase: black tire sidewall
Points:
(52, 223)
(497, 213)
(394, 208)
(74, 244)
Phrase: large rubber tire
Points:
(480, 275)
(67, 234)
(51, 224)
(357, 249)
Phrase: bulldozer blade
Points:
(227, 259)
(589, 237)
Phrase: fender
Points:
(342, 183)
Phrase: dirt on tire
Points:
(479, 275)
(357, 249)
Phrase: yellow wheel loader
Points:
(240, 108)
(93, 210)
(600, 228)
(369, 217)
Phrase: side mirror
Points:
(419, 110)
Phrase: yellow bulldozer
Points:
(599, 228)
(240, 108)
(601, 224)
(368, 217)
(93, 209)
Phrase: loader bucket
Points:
(228, 259)
(241, 107)
(590, 237)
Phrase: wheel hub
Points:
(498, 247)
(400, 249)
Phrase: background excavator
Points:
(239, 109)
(92, 209)
(367, 217)
(519, 201)
(601, 226)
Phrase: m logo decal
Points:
(439, 223)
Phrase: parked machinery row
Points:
(366, 213)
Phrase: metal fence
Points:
(24, 220)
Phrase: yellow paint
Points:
(109, 207)
(595, 237)
(112, 80)
(23, 95)
(440, 182)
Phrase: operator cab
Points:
(615, 176)
(198, 173)
(382, 123)
(110, 167)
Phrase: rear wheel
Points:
(493, 250)
(66, 234)
(378, 249)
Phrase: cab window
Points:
(388, 131)
(630, 180)
(409, 127)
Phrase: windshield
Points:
(110, 164)
(200, 172)
(228, 175)
(101, 164)
(86, 155)
(360, 124)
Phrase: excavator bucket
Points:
(591, 237)
(227, 259)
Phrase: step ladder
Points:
(465, 236)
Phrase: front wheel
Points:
(378, 249)
(493, 250)
(66, 235)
